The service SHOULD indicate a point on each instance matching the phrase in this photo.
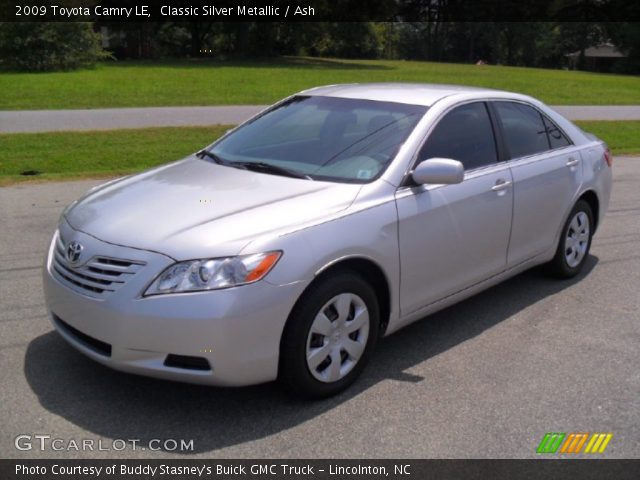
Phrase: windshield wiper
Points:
(269, 168)
(212, 156)
(255, 166)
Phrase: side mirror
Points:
(438, 171)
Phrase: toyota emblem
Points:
(74, 249)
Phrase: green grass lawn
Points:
(66, 155)
(622, 137)
(209, 82)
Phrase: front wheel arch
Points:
(373, 274)
(292, 372)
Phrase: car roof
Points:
(412, 93)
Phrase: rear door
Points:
(452, 236)
(546, 173)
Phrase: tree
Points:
(626, 35)
(48, 46)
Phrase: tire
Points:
(314, 361)
(575, 242)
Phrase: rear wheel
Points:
(329, 336)
(575, 242)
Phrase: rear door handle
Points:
(572, 162)
(501, 184)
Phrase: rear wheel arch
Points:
(574, 242)
(592, 199)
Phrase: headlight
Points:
(214, 273)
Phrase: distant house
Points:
(599, 58)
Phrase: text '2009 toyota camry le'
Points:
(285, 249)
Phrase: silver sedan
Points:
(285, 249)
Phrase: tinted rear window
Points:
(557, 139)
(524, 131)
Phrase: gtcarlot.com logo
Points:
(44, 442)
(574, 442)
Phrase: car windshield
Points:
(322, 138)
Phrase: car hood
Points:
(194, 208)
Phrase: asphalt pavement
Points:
(112, 118)
(485, 378)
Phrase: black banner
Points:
(544, 468)
(318, 10)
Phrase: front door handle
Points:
(572, 162)
(501, 184)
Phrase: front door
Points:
(453, 236)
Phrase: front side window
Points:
(464, 134)
(325, 138)
(524, 131)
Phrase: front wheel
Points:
(575, 242)
(329, 336)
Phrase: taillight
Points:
(608, 157)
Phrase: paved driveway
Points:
(110, 118)
(485, 378)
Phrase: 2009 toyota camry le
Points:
(285, 249)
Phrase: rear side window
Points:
(557, 139)
(464, 134)
(524, 131)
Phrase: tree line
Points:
(61, 46)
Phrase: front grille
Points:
(98, 277)
(94, 344)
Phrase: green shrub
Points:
(48, 46)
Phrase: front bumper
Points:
(237, 330)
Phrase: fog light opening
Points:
(187, 362)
